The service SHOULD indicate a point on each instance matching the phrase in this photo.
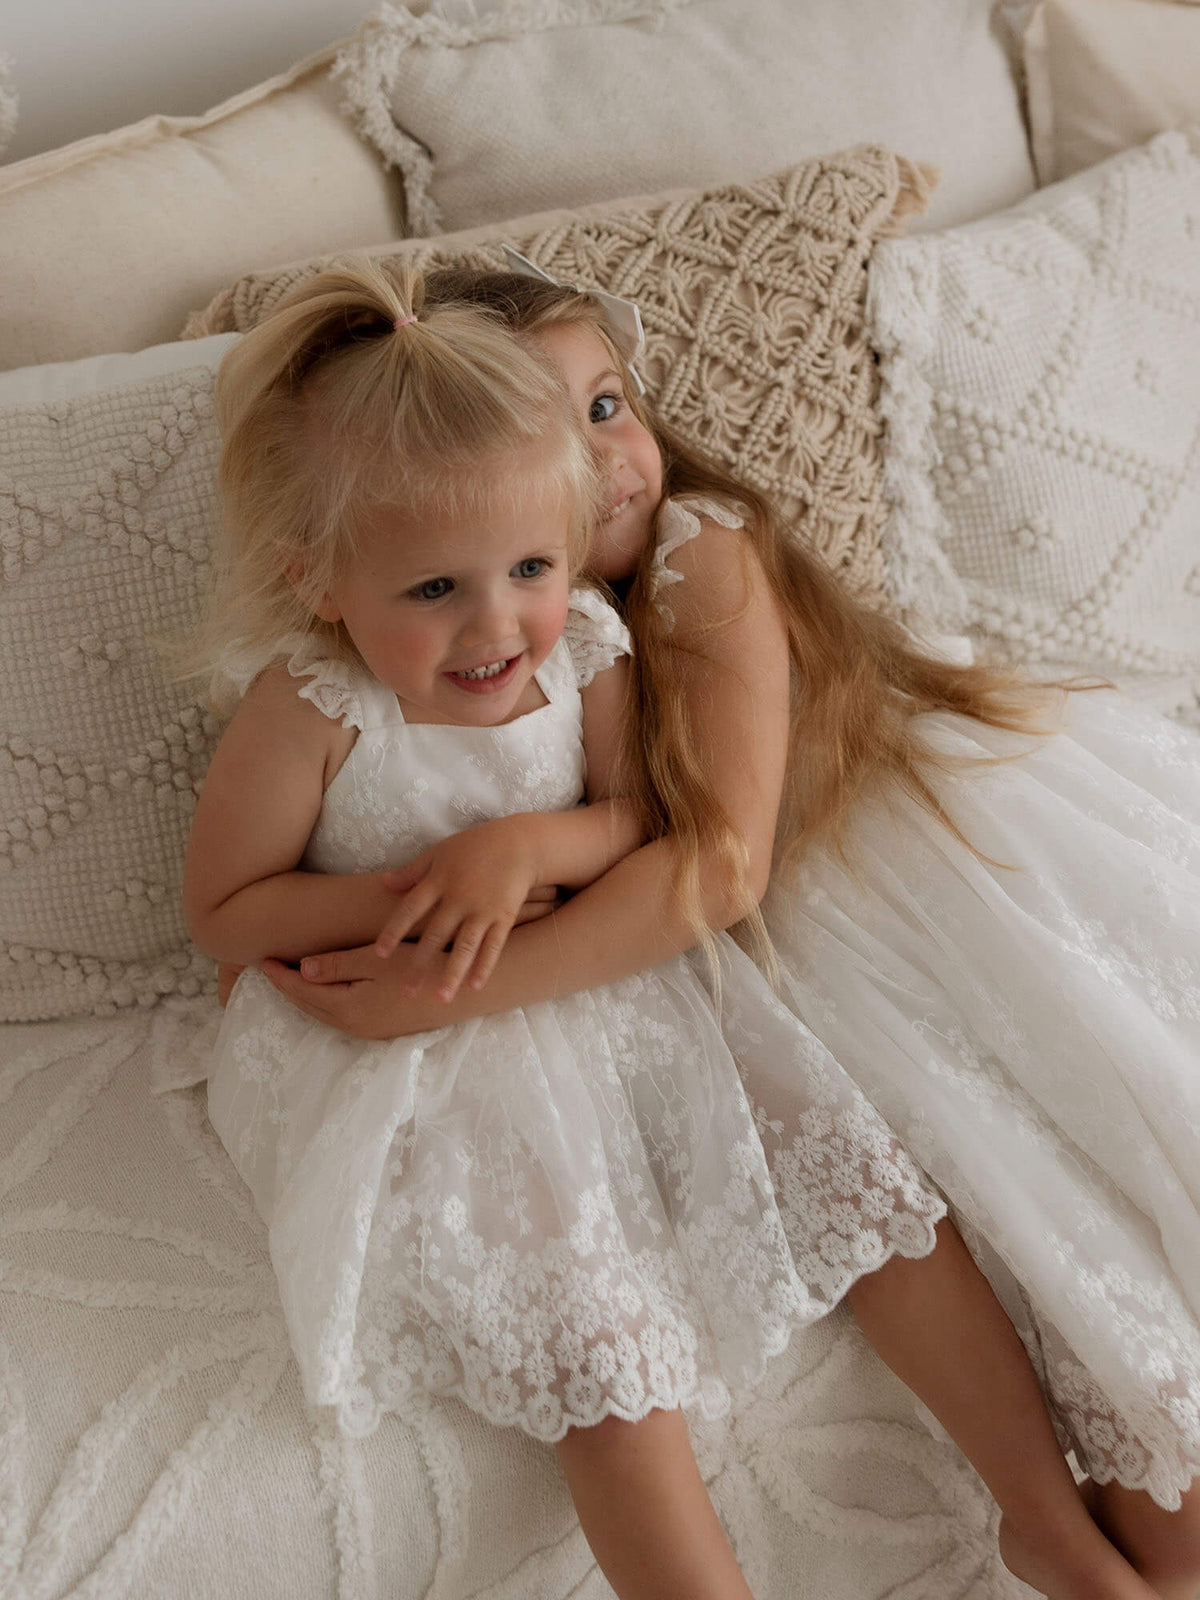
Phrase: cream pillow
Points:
(107, 243)
(752, 300)
(519, 108)
(1102, 75)
(1041, 384)
(107, 510)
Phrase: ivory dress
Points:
(596, 1205)
(1032, 1033)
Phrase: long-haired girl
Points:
(996, 932)
(577, 1216)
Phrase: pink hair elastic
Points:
(402, 322)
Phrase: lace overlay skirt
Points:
(581, 1208)
(1032, 1033)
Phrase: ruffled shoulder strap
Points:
(594, 635)
(679, 522)
(339, 689)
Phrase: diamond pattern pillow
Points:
(752, 299)
(107, 507)
(1041, 382)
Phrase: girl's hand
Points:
(359, 994)
(469, 891)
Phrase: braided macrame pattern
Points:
(752, 297)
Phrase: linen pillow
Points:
(752, 300)
(1041, 385)
(1102, 75)
(107, 243)
(107, 510)
(502, 109)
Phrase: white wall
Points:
(85, 66)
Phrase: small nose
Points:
(492, 618)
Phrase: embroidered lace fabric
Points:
(1032, 1033)
(596, 1206)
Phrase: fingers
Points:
(475, 952)
(321, 1004)
(533, 909)
(407, 914)
(489, 952)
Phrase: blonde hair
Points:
(859, 683)
(356, 394)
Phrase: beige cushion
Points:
(106, 244)
(107, 510)
(752, 302)
(519, 108)
(1041, 382)
(1103, 75)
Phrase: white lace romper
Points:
(562, 1211)
(1032, 1032)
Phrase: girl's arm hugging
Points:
(471, 887)
(245, 897)
(735, 660)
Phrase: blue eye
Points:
(432, 589)
(604, 408)
(531, 567)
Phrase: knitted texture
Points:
(154, 1441)
(107, 506)
(752, 297)
(1041, 383)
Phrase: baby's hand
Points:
(469, 890)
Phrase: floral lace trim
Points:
(594, 635)
(678, 523)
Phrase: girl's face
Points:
(625, 445)
(456, 617)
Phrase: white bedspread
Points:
(153, 1441)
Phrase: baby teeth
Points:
(483, 672)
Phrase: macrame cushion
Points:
(107, 510)
(752, 299)
(1041, 382)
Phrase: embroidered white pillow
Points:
(510, 107)
(107, 511)
(1041, 385)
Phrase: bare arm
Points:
(629, 919)
(468, 888)
(244, 897)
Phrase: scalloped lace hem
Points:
(360, 1411)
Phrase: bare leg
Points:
(1164, 1546)
(645, 1511)
(938, 1325)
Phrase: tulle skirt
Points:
(595, 1206)
(1031, 1030)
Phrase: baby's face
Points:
(625, 445)
(455, 616)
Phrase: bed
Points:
(1000, 380)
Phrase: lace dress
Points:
(1032, 1033)
(579, 1208)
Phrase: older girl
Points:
(996, 932)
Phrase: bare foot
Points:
(1100, 1573)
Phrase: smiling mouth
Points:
(487, 678)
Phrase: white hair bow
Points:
(622, 317)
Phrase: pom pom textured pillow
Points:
(752, 297)
(1041, 383)
(107, 511)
